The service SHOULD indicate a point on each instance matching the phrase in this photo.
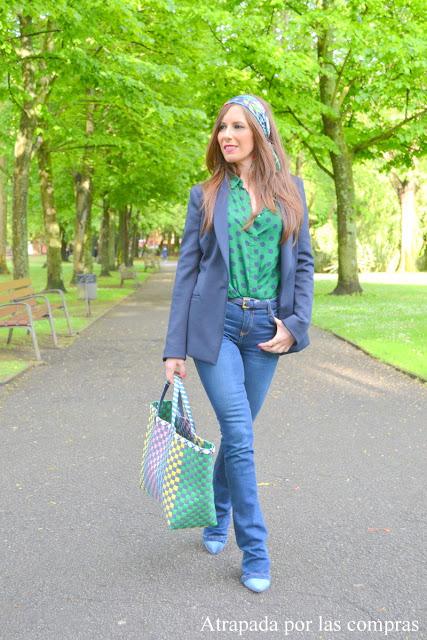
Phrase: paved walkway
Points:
(340, 453)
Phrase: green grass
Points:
(11, 367)
(388, 320)
(18, 355)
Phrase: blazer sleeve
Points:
(185, 280)
(299, 321)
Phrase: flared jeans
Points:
(236, 387)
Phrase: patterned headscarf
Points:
(257, 109)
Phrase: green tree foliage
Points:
(118, 61)
(345, 78)
(122, 95)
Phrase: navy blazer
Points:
(198, 307)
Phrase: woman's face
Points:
(235, 137)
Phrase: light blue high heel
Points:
(214, 546)
(256, 584)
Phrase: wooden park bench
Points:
(18, 315)
(20, 306)
(127, 273)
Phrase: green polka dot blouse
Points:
(254, 256)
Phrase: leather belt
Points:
(252, 303)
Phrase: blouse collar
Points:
(235, 181)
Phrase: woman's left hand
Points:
(282, 341)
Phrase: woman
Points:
(242, 297)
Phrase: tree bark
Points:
(88, 242)
(23, 149)
(83, 194)
(128, 243)
(423, 254)
(342, 164)
(36, 94)
(64, 243)
(133, 248)
(83, 185)
(409, 227)
(52, 230)
(104, 238)
(135, 245)
(119, 254)
(348, 278)
(3, 215)
(112, 242)
(125, 214)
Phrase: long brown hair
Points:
(270, 185)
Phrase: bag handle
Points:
(180, 402)
(162, 397)
(180, 394)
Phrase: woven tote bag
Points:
(177, 464)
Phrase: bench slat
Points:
(12, 297)
(25, 291)
(7, 311)
(16, 322)
(15, 284)
(39, 311)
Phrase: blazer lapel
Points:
(221, 221)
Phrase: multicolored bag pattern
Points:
(177, 464)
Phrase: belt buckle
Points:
(244, 303)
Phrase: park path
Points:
(340, 453)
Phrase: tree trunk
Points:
(104, 239)
(64, 244)
(348, 278)
(177, 243)
(124, 223)
(23, 148)
(20, 198)
(119, 256)
(342, 164)
(112, 242)
(423, 254)
(133, 248)
(88, 244)
(128, 245)
(83, 191)
(135, 241)
(3, 215)
(409, 228)
(83, 183)
(52, 230)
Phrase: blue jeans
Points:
(236, 387)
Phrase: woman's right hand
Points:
(174, 365)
